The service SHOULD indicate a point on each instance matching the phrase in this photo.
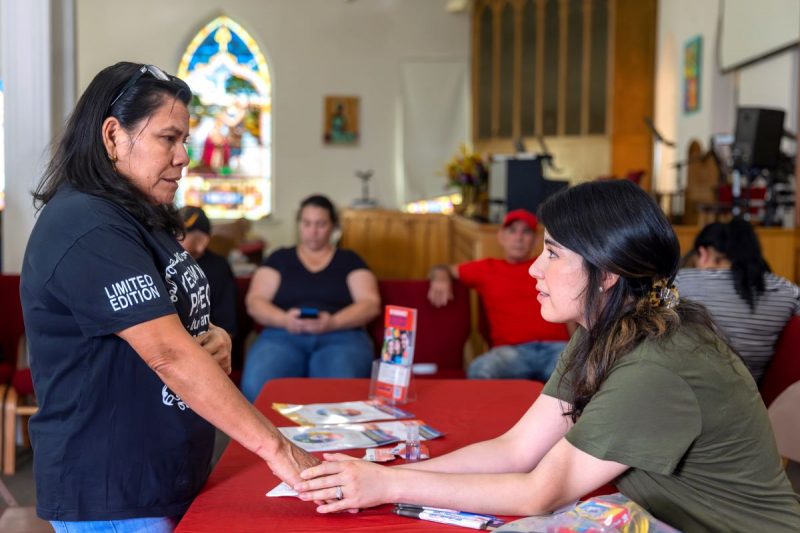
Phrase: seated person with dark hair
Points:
(749, 303)
(313, 300)
(524, 345)
(220, 276)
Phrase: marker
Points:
(447, 516)
(414, 507)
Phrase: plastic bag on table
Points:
(612, 513)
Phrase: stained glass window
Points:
(230, 146)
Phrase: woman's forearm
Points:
(188, 370)
(485, 457)
(520, 449)
(355, 315)
(266, 313)
(563, 475)
(502, 494)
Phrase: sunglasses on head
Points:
(153, 70)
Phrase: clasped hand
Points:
(363, 484)
(217, 342)
(322, 324)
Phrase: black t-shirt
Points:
(223, 290)
(325, 290)
(110, 440)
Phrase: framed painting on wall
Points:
(692, 54)
(341, 121)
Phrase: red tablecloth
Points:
(234, 498)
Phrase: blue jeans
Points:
(532, 360)
(160, 524)
(280, 354)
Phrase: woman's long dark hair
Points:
(616, 228)
(80, 158)
(738, 242)
(323, 202)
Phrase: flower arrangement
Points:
(469, 172)
(467, 168)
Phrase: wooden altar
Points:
(400, 245)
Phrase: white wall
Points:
(772, 82)
(717, 108)
(314, 48)
(33, 107)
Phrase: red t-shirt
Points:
(509, 294)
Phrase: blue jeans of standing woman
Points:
(280, 354)
(130, 525)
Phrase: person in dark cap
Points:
(216, 268)
(523, 344)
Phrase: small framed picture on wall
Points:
(341, 120)
(692, 57)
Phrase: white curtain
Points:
(434, 120)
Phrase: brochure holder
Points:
(391, 374)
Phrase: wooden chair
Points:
(12, 382)
(18, 401)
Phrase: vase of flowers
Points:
(468, 172)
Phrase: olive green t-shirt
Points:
(685, 415)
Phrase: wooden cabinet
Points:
(404, 246)
(397, 245)
(400, 245)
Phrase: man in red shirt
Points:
(523, 344)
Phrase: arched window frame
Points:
(225, 189)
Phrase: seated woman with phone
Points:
(313, 300)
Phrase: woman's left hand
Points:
(217, 342)
(361, 483)
(319, 325)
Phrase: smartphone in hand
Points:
(309, 312)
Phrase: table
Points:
(233, 499)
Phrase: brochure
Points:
(392, 373)
(348, 436)
(320, 414)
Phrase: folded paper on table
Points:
(320, 414)
(282, 490)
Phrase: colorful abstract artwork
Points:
(692, 57)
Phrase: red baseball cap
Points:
(521, 214)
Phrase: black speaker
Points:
(518, 183)
(758, 137)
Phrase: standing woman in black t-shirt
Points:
(128, 369)
(314, 301)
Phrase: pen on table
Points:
(448, 516)
(413, 507)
